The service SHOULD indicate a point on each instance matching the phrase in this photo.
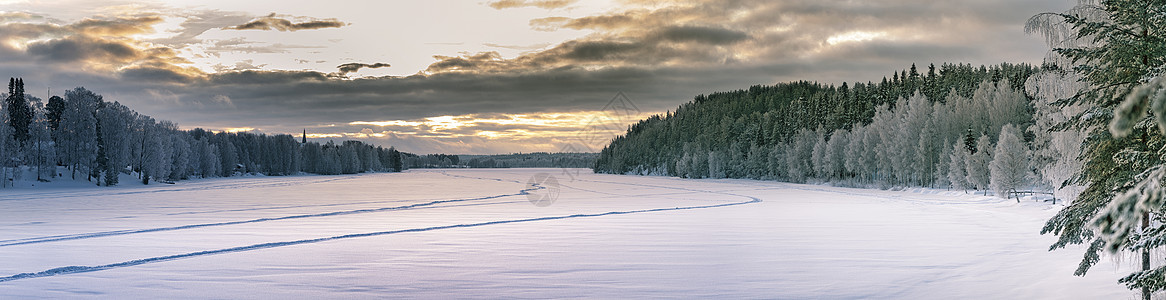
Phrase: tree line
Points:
(513, 160)
(531, 160)
(801, 132)
(100, 140)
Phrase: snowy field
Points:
(475, 234)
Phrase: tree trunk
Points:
(1145, 255)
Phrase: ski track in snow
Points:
(260, 184)
(68, 237)
(78, 236)
(85, 269)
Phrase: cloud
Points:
(699, 34)
(278, 22)
(196, 23)
(659, 53)
(517, 47)
(354, 67)
(102, 45)
(544, 4)
(117, 26)
(11, 16)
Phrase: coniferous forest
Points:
(99, 140)
(940, 128)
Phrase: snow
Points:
(466, 233)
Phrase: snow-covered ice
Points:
(462, 233)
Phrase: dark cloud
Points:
(699, 34)
(544, 4)
(155, 74)
(277, 22)
(354, 67)
(80, 48)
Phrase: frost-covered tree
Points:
(776, 162)
(798, 155)
(43, 156)
(7, 148)
(818, 154)
(329, 163)
(1007, 106)
(909, 137)
(716, 164)
(229, 157)
(756, 162)
(1010, 168)
(735, 160)
(1057, 148)
(977, 165)
(116, 122)
(179, 158)
(835, 158)
(157, 160)
(855, 151)
(78, 131)
(957, 172)
(350, 160)
(875, 156)
(943, 167)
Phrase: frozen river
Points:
(476, 234)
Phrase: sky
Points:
(479, 77)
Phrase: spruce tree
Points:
(19, 112)
(54, 109)
(1117, 45)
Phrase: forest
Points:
(99, 141)
(960, 127)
